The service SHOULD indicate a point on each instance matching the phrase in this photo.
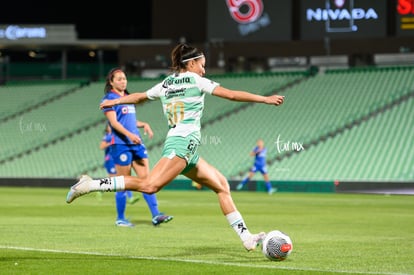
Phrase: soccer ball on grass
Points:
(277, 246)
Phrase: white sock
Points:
(111, 184)
(236, 221)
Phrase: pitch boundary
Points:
(191, 261)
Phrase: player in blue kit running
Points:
(182, 97)
(259, 152)
(127, 148)
(110, 168)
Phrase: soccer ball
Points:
(277, 246)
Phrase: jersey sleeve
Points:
(206, 85)
(108, 96)
(154, 92)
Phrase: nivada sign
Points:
(343, 18)
(249, 20)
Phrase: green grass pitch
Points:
(331, 234)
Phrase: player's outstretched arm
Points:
(247, 97)
(134, 98)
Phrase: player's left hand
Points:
(148, 131)
(275, 100)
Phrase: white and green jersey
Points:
(182, 98)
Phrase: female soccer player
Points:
(259, 153)
(110, 168)
(182, 97)
(127, 148)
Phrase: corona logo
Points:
(16, 32)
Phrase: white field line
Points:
(194, 261)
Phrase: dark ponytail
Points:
(181, 54)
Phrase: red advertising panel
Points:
(343, 19)
(249, 20)
(404, 18)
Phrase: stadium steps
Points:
(308, 115)
(29, 96)
(49, 122)
(61, 159)
(373, 150)
(395, 94)
(326, 103)
(216, 109)
(57, 115)
(354, 135)
(154, 116)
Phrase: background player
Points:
(259, 152)
(127, 148)
(109, 165)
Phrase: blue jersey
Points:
(125, 114)
(107, 138)
(108, 160)
(260, 157)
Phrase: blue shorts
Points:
(109, 164)
(259, 168)
(110, 167)
(124, 155)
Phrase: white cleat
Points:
(254, 241)
(272, 190)
(79, 189)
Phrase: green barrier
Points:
(299, 186)
(259, 186)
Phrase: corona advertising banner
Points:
(343, 19)
(249, 20)
(43, 34)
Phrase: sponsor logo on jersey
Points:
(176, 81)
(174, 93)
(130, 109)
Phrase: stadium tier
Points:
(28, 95)
(351, 124)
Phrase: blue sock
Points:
(244, 181)
(152, 203)
(128, 194)
(268, 186)
(120, 201)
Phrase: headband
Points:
(191, 58)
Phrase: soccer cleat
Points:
(124, 223)
(161, 218)
(239, 187)
(254, 241)
(79, 189)
(271, 191)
